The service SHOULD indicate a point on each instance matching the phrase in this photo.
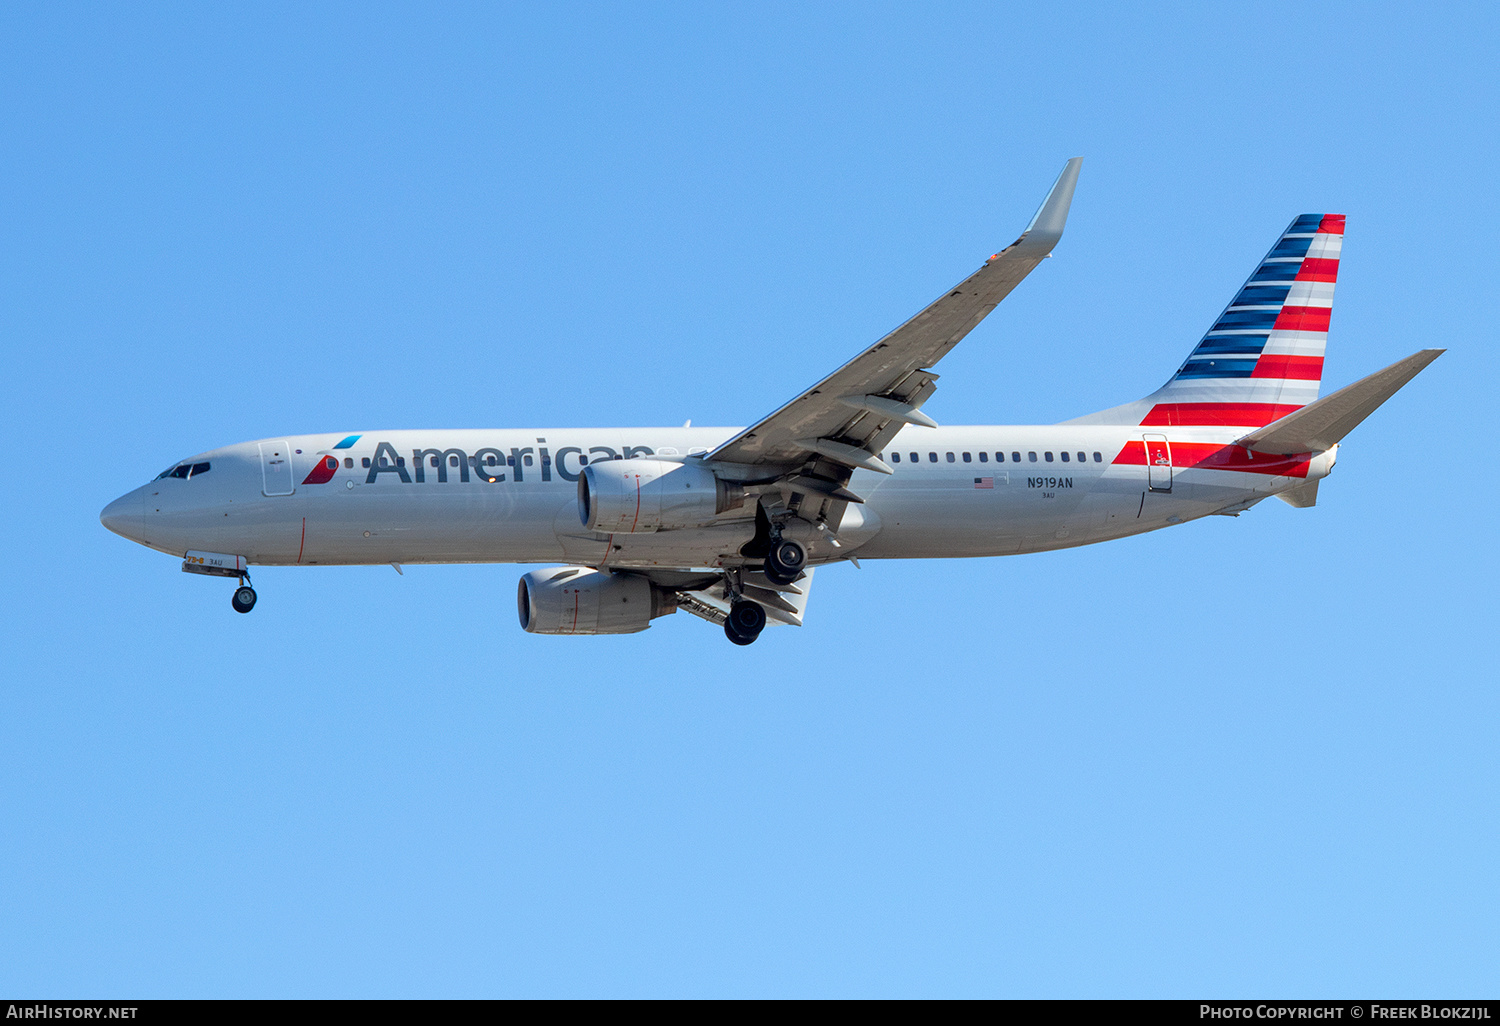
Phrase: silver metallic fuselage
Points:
(366, 514)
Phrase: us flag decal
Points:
(984, 482)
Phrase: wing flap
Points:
(782, 605)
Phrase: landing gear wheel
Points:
(785, 561)
(244, 599)
(746, 621)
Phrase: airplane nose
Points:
(126, 516)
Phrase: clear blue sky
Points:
(1252, 756)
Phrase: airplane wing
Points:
(850, 415)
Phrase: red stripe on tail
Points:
(1304, 318)
(1298, 368)
(1318, 269)
(1216, 414)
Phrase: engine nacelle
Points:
(582, 600)
(634, 496)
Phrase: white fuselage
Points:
(964, 494)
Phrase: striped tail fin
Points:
(1263, 357)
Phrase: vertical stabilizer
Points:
(1263, 356)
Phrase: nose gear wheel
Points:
(243, 599)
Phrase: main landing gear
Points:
(746, 621)
(785, 561)
(244, 596)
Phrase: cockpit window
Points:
(183, 471)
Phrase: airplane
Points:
(729, 524)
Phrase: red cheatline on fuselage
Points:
(1213, 456)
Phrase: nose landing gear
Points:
(244, 596)
(217, 564)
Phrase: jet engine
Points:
(632, 496)
(582, 600)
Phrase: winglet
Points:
(1047, 226)
(1323, 424)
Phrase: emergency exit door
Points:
(276, 468)
(1158, 463)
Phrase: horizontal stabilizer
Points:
(1301, 496)
(1323, 424)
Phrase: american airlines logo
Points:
(486, 464)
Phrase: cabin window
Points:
(1031, 456)
(968, 458)
(452, 461)
(490, 461)
(950, 458)
(348, 462)
(526, 459)
(365, 462)
(1082, 458)
(1065, 455)
(915, 458)
(1015, 457)
(432, 460)
(1098, 458)
(932, 457)
(400, 461)
(1048, 454)
(385, 461)
(895, 457)
(984, 457)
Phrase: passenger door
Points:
(276, 468)
(1158, 463)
